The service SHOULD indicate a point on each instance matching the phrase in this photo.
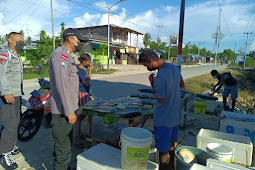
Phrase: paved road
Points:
(123, 85)
(120, 86)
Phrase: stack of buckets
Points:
(221, 152)
(135, 147)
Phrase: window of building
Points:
(114, 36)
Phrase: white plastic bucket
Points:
(221, 152)
(135, 147)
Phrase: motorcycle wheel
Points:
(29, 125)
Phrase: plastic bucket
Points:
(135, 147)
(200, 155)
(199, 107)
(221, 152)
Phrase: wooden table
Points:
(132, 122)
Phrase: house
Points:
(121, 51)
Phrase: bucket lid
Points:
(135, 134)
(218, 148)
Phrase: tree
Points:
(29, 40)
(146, 39)
(230, 54)
(250, 62)
(252, 54)
(41, 54)
(43, 35)
(22, 33)
(153, 45)
(6, 38)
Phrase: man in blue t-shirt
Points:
(167, 114)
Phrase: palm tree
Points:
(43, 35)
(22, 33)
(146, 39)
(29, 39)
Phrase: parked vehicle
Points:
(37, 106)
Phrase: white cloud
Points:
(10, 20)
(201, 19)
(86, 20)
(252, 47)
(104, 6)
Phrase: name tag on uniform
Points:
(63, 60)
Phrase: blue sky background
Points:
(201, 18)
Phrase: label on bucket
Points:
(138, 155)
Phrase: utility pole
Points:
(53, 37)
(159, 26)
(217, 40)
(182, 12)
(245, 49)
(169, 48)
(235, 49)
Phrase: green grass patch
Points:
(27, 76)
(199, 84)
(30, 74)
(103, 71)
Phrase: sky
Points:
(201, 19)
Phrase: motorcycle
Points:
(37, 106)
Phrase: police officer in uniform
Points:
(11, 76)
(64, 96)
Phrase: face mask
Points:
(78, 47)
(87, 65)
(19, 45)
(214, 77)
(150, 69)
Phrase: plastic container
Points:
(199, 107)
(221, 152)
(200, 155)
(241, 146)
(219, 165)
(103, 157)
(199, 167)
(238, 123)
(135, 147)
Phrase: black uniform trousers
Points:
(62, 133)
(9, 118)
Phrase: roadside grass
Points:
(103, 71)
(199, 84)
(246, 86)
(31, 74)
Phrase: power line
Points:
(225, 19)
(250, 18)
(123, 19)
(42, 6)
(31, 14)
(141, 27)
(20, 13)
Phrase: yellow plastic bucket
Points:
(199, 107)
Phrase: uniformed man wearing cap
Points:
(11, 76)
(64, 96)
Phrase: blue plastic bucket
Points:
(201, 157)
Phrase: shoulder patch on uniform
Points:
(3, 56)
(3, 61)
(63, 60)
